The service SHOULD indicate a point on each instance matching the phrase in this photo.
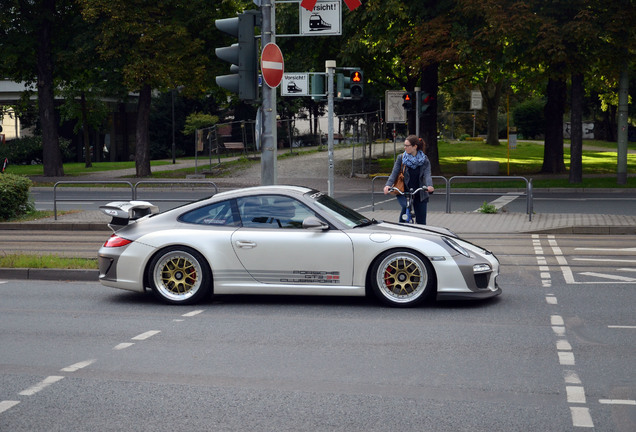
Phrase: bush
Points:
(25, 151)
(529, 118)
(14, 196)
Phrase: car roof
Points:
(258, 190)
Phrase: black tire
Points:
(402, 278)
(179, 275)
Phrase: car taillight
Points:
(116, 241)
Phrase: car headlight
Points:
(482, 268)
(453, 244)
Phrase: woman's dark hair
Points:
(416, 141)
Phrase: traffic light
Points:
(343, 86)
(426, 100)
(318, 87)
(408, 101)
(356, 83)
(241, 55)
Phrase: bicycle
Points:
(408, 215)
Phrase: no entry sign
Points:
(272, 65)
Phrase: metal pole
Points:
(330, 66)
(417, 110)
(621, 150)
(173, 145)
(268, 145)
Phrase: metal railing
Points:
(448, 190)
(134, 189)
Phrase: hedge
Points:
(25, 151)
(14, 196)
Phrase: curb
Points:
(50, 274)
(55, 226)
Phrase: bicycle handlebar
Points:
(392, 189)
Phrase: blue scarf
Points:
(413, 161)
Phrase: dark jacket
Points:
(424, 177)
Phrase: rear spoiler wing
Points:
(123, 212)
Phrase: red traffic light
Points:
(356, 76)
(406, 97)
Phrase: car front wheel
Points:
(402, 278)
(179, 275)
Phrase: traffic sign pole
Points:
(269, 138)
(330, 66)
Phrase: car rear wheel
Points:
(179, 275)
(402, 278)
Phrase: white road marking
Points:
(621, 327)
(566, 358)
(607, 249)
(556, 320)
(571, 377)
(122, 346)
(617, 401)
(575, 394)
(604, 260)
(558, 330)
(41, 385)
(612, 277)
(503, 200)
(7, 404)
(581, 417)
(77, 366)
(551, 300)
(193, 313)
(146, 335)
(563, 345)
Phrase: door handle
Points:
(245, 244)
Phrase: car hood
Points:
(400, 228)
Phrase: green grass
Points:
(46, 261)
(599, 166)
(77, 168)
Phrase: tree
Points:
(31, 34)
(154, 49)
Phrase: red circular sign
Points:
(272, 65)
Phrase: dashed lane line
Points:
(617, 401)
(146, 335)
(7, 404)
(77, 366)
(41, 385)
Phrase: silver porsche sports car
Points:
(287, 240)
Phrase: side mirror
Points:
(313, 223)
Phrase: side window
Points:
(272, 211)
(214, 214)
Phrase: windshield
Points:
(344, 214)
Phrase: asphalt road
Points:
(556, 351)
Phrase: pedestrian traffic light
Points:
(343, 86)
(426, 100)
(408, 101)
(241, 55)
(356, 84)
(318, 87)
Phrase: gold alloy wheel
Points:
(402, 278)
(178, 275)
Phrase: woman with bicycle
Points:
(417, 174)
